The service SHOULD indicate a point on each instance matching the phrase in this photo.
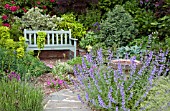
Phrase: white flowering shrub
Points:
(35, 20)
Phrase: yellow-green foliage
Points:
(8, 43)
(4, 35)
(69, 22)
(159, 96)
(41, 39)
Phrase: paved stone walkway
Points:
(64, 100)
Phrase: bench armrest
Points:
(73, 39)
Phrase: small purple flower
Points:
(141, 2)
(99, 56)
(60, 82)
(130, 97)
(117, 108)
(146, 0)
(87, 97)
(157, 4)
(151, 75)
(129, 88)
(48, 83)
(79, 97)
(54, 82)
(122, 92)
(83, 63)
(96, 24)
(101, 103)
(110, 96)
(13, 75)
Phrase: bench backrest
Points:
(53, 37)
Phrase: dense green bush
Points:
(118, 27)
(18, 96)
(158, 99)
(69, 22)
(147, 20)
(89, 18)
(142, 18)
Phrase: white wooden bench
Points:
(55, 40)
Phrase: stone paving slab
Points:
(64, 100)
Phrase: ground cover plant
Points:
(18, 96)
(111, 89)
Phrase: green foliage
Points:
(35, 20)
(107, 5)
(27, 66)
(162, 26)
(118, 28)
(158, 97)
(4, 35)
(75, 61)
(15, 31)
(89, 18)
(19, 96)
(89, 39)
(61, 69)
(146, 20)
(40, 41)
(131, 51)
(69, 22)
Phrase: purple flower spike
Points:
(110, 96)
(123, 96)
(99, 56)
(101, 103)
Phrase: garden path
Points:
(64, 100)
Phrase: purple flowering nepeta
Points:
(13, 75)
(109, 88)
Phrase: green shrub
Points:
(142, 18)
(69, 22)
(28, 66)
(89, 39)
(158, 99)
(118, 27)
(89, 18)
(61, 69)
(19, 96)
(75, 61)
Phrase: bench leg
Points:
(75, 45)
(75, 53)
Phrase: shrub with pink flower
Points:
(55, 83)
(13, 2)
(25, 10)
(52, 1)
(7, 6)
(38, 2)
(4, 17)
(6, 24)
(14, 8)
